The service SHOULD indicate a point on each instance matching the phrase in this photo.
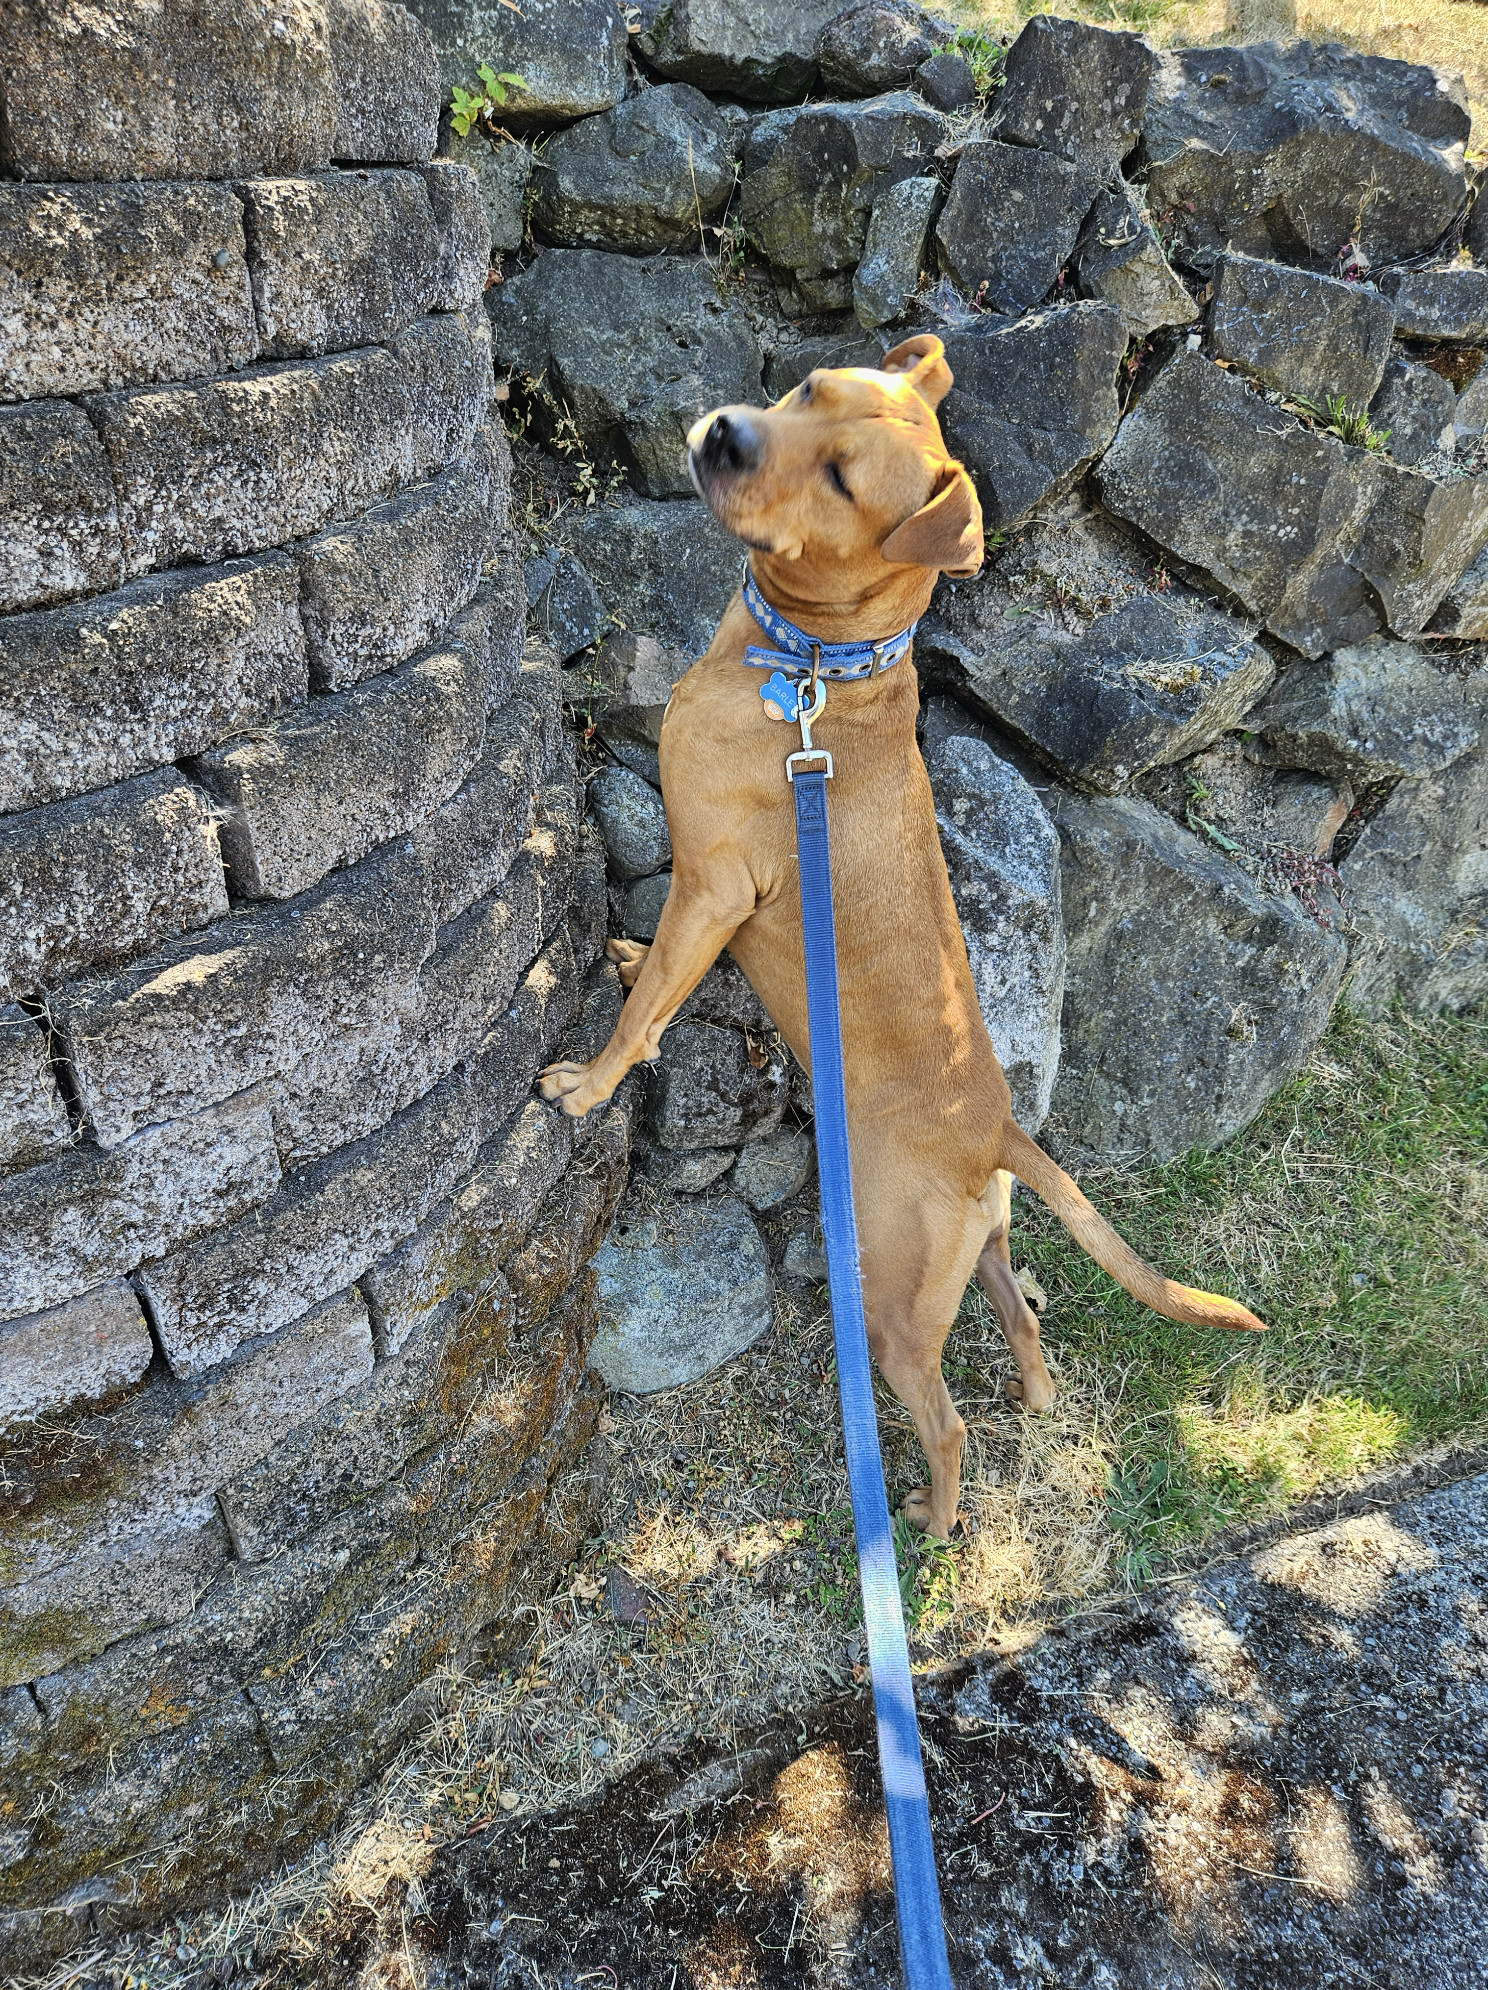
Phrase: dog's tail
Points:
(1113, 1254)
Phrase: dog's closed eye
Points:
(835, 473)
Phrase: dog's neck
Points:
(829, 605)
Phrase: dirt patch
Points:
(1272, 1771)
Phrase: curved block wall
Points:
(294, 900)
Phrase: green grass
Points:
(1353, 1217)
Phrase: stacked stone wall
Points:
(1218, 321)
(298, 886)
(295, 897)
(1207, 733)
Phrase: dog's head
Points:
(848, 473)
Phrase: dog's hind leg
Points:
(915, 1271)
(1034, 1388)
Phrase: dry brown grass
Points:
(1450, 34)
(727, 1510)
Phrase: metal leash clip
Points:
(806, 716)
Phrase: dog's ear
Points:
(923, 359)
(945, 532)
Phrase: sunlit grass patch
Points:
(1353, 1217)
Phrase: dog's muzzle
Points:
(731, 447)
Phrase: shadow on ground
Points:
(1270, 1774)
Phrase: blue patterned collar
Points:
(799, 655)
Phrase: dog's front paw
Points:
(575, 1087)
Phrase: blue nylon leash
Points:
(922, 1944)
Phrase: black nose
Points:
(732, 443)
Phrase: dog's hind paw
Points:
(919, 1510)
(1033, 1397)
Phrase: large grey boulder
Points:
(1417, 890)
(631, 351)
(1416, 411)
(1374, 711)
(502, 171)
(1418, 537)
(761, 51)
(1076, 90)
(706, 1090)
(1439, 303)
(1302, 333)
(662, 570)
(1067, 647)
(632, 822)
(1288, 150)
(570, 53)
(1034, 402)
(811, 179)
(681, 1291)
(1190, 995)
(643, 176)
(1268, 510)
(622, 690)
(1011, 222)
(1119, 261)
(1464, 607)
(1002, 856)
(724, 997)
(887, 278)
(877, 45)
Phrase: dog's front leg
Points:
(700, 917)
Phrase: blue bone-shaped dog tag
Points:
(782, 698)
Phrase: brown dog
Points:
(852, 507)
